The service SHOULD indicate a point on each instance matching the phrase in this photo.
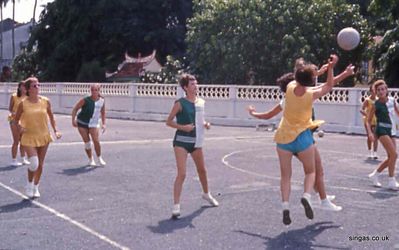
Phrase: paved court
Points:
(127, 204)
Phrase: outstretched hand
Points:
(251, 109)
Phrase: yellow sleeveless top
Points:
(16, 101)
(297, 116)
(36, 132)
(370, 103)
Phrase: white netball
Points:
(348, 38)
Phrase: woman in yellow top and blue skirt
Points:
(294, 136)
(36, 111)
(15, 100)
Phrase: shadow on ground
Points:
(25, 203)
(297, 239)
(170, 225)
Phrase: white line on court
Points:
(68, 219)
(147, 141)
(225, 162)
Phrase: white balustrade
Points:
(226, 104)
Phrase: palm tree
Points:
(2, 3)
(13, 28)
(34, 13)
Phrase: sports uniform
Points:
(90, 113)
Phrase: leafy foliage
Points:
(72, 33)
(235, 42)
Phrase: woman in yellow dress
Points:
(36, 111)
(15, 100)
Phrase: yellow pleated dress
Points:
(297, 116)
(36, 132)
(16, 101)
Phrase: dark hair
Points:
(305, 76)
(19, 88)
(283, 81)
(185, 79)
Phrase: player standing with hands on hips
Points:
(189, 137)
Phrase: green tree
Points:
(386, 53)
(73, 33)
(236, 42)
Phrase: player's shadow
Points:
(372, 161)
(76, 171)
(8, 168)
(303, 238)
(384, 193)
(170, 225)
(13, 207)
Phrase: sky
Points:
(24, 10)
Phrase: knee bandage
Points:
(88, 145)
(34, 163)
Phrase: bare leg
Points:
(31, 151)
(181, 159)
(84, 133)
(41, 154)
(16, 136)
(307, 157)
(96, 141)
(390, 147)
(198, 158)
(285, 158)
(319, 183)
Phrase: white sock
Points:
(285, 205)
(176, 206)
(307, 196)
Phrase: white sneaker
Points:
(329, 197)
(371, 155)
(25, 161)
(101, 160)
(91, 162)
(392, 184)
(328, 205)
(208, 197)
(374, 176)
(29, 189)
(176, 211)
(15, 163)
(36, 193)
(375, 156)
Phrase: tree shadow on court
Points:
(170, 225)
(384, 193)
(8, 168)
(13, 207)
(297, 239)
(76, 171)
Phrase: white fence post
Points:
(233, 101)
(133, 96)
(354, 103)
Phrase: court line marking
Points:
(226, 163)
(67, 219)
(147, 141)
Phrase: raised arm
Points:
(325, 88)
(265, 115)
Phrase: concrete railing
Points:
(225, 104)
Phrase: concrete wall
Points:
(225, 105)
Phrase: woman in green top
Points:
(190, 124)
(381, 109)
